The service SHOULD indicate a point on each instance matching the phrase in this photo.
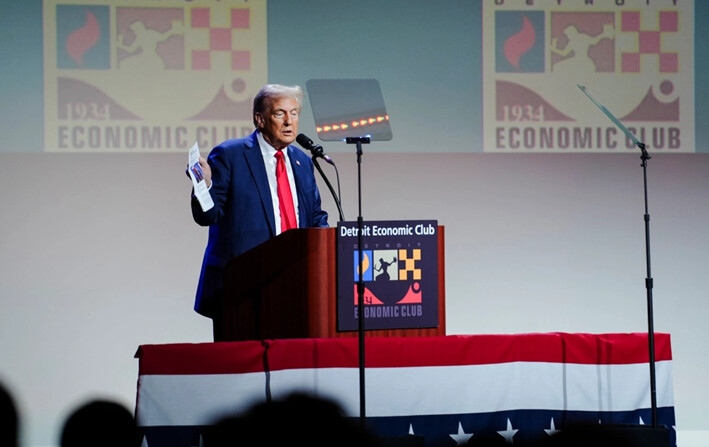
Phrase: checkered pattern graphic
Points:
(220, 39)
(650, 42)
(409, 264)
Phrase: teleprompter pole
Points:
(359, 141)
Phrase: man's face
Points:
(279, 122)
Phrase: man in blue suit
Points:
(241, 177)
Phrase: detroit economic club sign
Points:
(637, 56)
(399, 269)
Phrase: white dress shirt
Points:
(269, 158)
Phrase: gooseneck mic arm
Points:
(318, 152)
(315, 149)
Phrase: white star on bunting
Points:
(509, 433)
(551, 431)
(461, 438)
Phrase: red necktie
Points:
(285, 198)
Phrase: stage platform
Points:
(520, 387)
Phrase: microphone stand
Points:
(360, 276)
(332, 191)
(648, 280)
(648, 286)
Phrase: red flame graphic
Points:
(81, 40)
(518, 44)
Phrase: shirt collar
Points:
(266, 148)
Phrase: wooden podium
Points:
(286, 288)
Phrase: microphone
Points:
(316, 149)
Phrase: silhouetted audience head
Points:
(298, 419)
(100, 422)
(9, 419)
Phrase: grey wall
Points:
(99, 255)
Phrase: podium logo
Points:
(390, 276)
(398, 266)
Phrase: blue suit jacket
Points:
(242, 216)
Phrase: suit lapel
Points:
(254, 159)
(298, 177)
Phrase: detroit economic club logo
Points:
(392, 282)
(636, 56)
(150, 75)
(398, 265)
